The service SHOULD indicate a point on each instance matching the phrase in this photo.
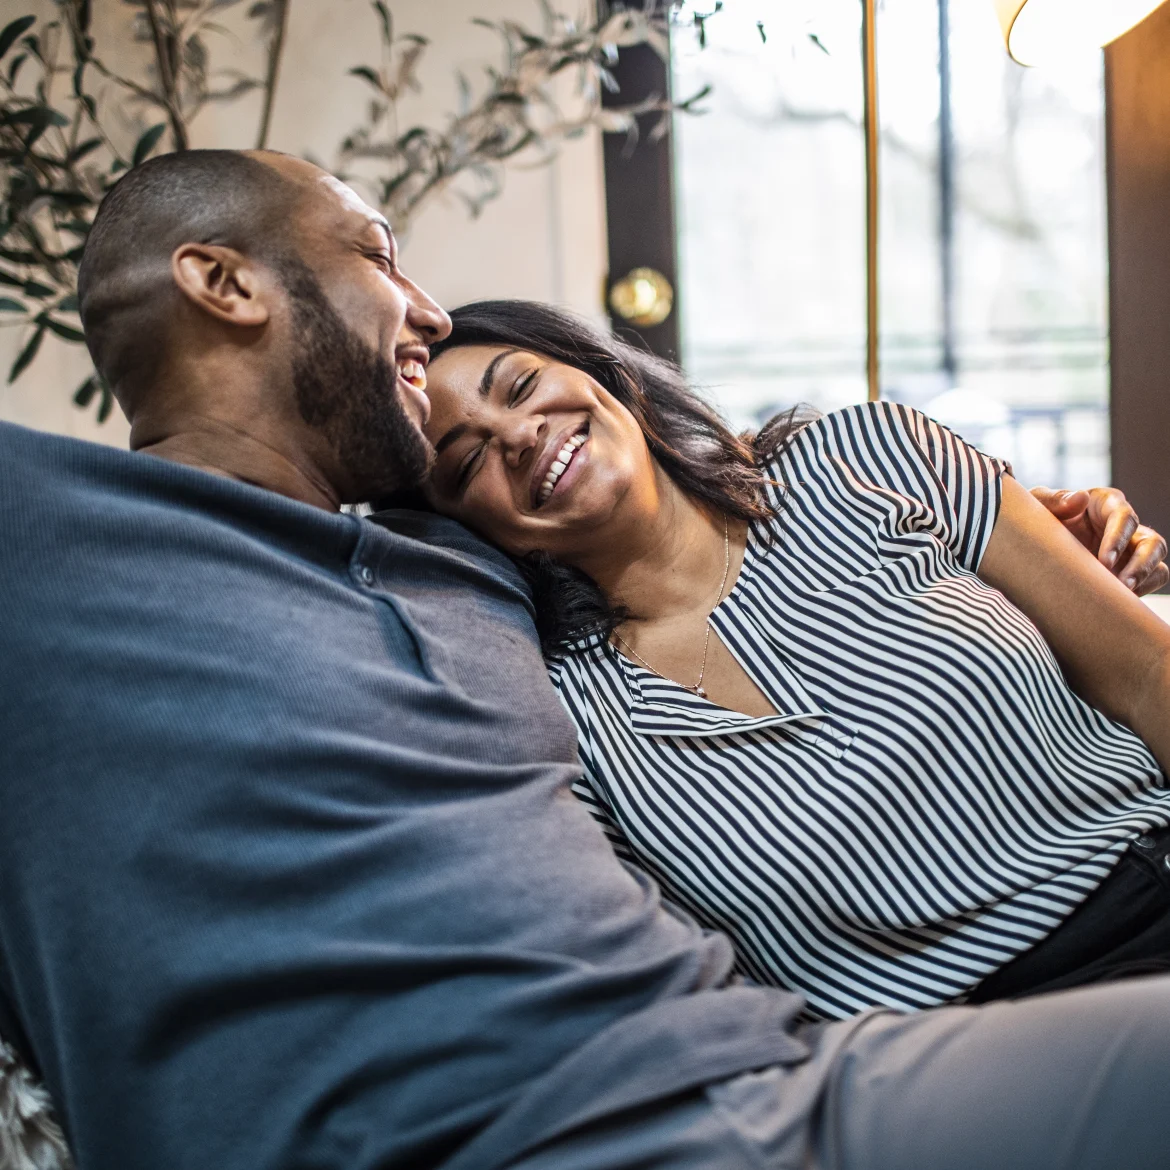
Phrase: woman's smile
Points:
(558, 468)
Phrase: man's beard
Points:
(349, 392)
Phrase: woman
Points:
(808, 693)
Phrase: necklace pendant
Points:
(698, 691)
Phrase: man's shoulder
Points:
(19, 445)
(449, 536)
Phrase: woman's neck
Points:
(668, 563)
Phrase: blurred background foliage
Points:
(71, 123)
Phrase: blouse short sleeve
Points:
(956, 489)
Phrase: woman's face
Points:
(532, 453)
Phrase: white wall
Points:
(544, 238)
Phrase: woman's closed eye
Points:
(525, 383)
(467, 469)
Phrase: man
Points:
(289, 871)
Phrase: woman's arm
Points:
(1114, 651)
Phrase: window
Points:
(994, 265)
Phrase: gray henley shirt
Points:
(290, 872)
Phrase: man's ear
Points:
(222, 282)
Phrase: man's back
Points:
(290, 873)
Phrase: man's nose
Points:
(426, 315)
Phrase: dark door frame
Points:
(639, 194)
(1137, 128)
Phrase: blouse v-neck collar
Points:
(661, 706)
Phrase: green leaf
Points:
(37, 118)
(27, 354)
(69, 198)
(34, 116)
(106, 406)
(8, 305)
(84, 394)
(13, 30)
(14, 67)
(365, 72)
(387, 23)
(410, 136)
(18, 257)
(65, 332)
(10, 280)
(147, 143)
(68, 304)
(82, 149)
(33, 288)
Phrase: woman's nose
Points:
(518, 438)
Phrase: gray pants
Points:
(1075, 1081)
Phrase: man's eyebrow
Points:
(485, 383)
(384, 224)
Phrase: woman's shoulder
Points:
(879, 441)
(570, 667)
(852, 428)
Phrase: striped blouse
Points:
(930, 799)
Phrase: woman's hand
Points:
(1104, 521)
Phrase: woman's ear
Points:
(222, 282)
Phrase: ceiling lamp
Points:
(1043, 30)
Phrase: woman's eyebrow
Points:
(485, 383)
(485, 388)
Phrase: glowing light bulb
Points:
(1037, 31)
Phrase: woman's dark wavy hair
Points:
(694, 446)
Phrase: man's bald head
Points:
(243, 201)
(249, 313)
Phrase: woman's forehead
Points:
(461, 368)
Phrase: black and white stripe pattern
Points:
(931, 798)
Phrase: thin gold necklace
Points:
(697, 689)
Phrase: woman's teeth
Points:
(564, 457)
(415, 373)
